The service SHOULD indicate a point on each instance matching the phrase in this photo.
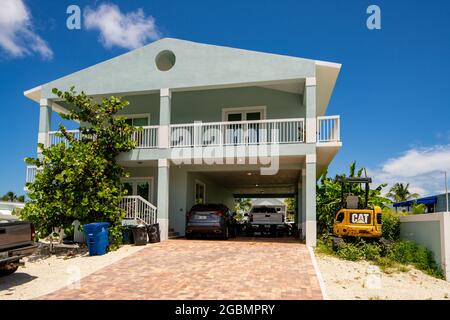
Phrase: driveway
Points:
(205, 269)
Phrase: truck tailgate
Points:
(267, 218)
(14, 234)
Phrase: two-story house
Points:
(218, 123)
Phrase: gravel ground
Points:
(43, 274)
(349, 280)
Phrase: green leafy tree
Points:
(242, 205)
(328, 197)
(81, 180)
(290, 208)
(400, 192)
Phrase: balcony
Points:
(213, 134)
(201, 134)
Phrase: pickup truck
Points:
(267, 219)
(16, 242)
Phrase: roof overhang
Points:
(326, 77)
(35, 94)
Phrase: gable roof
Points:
(197, 66)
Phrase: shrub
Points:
(358, 249)
(398, 255)
(391, 225)
(371, 251)
(349, 251)
(323, 246)
(407, 252)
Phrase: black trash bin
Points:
(127, 234)
(139, 235)
(153, 233)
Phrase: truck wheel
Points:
(6, 270)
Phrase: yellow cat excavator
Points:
(355, 218)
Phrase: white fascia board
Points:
(328, 64)
(34, 94)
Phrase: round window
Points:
(165, 60)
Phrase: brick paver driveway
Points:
(205, 269)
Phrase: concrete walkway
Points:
(205, 269)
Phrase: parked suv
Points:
(210, 219)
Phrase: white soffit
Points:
(34, 94)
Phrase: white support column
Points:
(163, 198)
(164, 118)
(310, 197)
(310, 104)
(45, 118)
(303, 203)
(298, 204)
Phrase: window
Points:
(165, 60)
(139, 187)
(238, 133)
(199, 192)
(340, 217)
(138, 120)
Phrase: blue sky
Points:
(393, 92)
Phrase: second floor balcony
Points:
(204, 134)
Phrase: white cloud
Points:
(17, 37)
(127, 30)
(422, 168)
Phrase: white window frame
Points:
(244, 110)
(195, 190)
(138, 115)
(132, 180)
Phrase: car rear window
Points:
(205, 207)
(263, 210)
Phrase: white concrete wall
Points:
(431, 230)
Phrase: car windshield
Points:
(263, 210)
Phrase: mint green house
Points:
(218, 123)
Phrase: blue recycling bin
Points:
(97, 237)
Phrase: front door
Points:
(140, 187)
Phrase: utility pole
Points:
(446, 191)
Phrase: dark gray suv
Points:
(210, 219)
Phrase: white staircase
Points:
(138, 208)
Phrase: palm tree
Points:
(12, 197)
(9, 196)
(399, 192)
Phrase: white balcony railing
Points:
(280, 131)
(30, 174)
(54, 138)
(328, 129)
(147, 137)
(237, 133)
